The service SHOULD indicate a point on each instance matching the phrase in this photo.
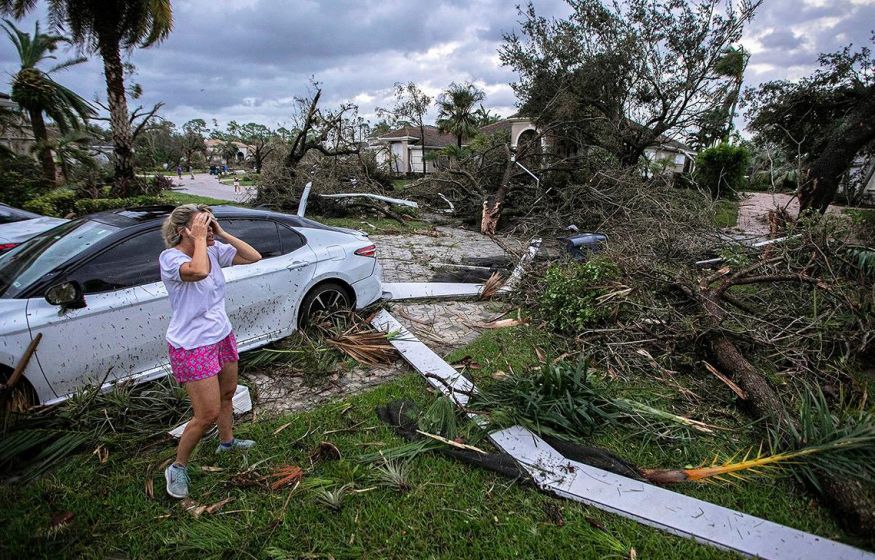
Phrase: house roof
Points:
(500, 126)
(667, 142)
(213, 142)
(433, 137)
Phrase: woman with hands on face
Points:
(200, 338)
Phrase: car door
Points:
(120, 331)
(261, 298)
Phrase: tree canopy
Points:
(824, 120)
(621, 75)
(456, 113)
(106, 27)
(39, 94)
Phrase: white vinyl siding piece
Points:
(657, 507)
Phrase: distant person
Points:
(179, 172)
(200, 338)
(191, 171)
(236, 184)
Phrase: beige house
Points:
(214, 152)
(401, 150)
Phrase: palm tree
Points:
(456, 113)
(485, 117)
(106, 27)
(38, 94)
(73, 149)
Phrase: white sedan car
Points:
(92, 288)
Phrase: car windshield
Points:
(10, 215)
(33, 259)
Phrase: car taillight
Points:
(7, 246)
(369, 251)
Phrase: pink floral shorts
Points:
(204, 361)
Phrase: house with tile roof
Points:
(401, 149)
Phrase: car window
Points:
(292, 240)
(133, 262)
(10, 215)
(261, 234)
(28, 263)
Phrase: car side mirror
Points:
(68, 295)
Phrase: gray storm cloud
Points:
(245, 60)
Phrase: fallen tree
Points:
(770, 321)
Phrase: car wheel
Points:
(323, 300)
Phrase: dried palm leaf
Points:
(491, 286)
(366, 347)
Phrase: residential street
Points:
(205, 184)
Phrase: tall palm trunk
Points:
(118, 115)
(44, 153)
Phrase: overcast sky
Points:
(245, 60)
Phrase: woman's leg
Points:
(206, 402)
(227, 386)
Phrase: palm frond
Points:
(843, 445)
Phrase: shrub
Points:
(91, 205)
(569, 302)
(21, 180)
(58, 202)
(722, 169)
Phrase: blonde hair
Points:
(179, 219)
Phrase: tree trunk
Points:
(851, 501)
(493, 203)
(44, 154)
(422, 143)
(118, 113)
(825, 173)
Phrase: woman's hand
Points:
(217, 229)
(199, 226)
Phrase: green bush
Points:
(58, 202)
(91, 205)
(21, 179)
(722, 169)
(62, 202)
(569, 302)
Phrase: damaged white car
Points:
(91, 288)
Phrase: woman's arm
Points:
(246, 254)
(198, 267)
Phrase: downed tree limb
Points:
(22, 363)
(853, 503)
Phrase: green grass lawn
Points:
(451, 511)
(184, 198)
(400, 184)
(726, 213)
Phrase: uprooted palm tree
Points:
(38, 94)
(456, 113)
(106, 27)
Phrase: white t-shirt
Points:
(199, 316)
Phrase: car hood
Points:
(17, 232)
